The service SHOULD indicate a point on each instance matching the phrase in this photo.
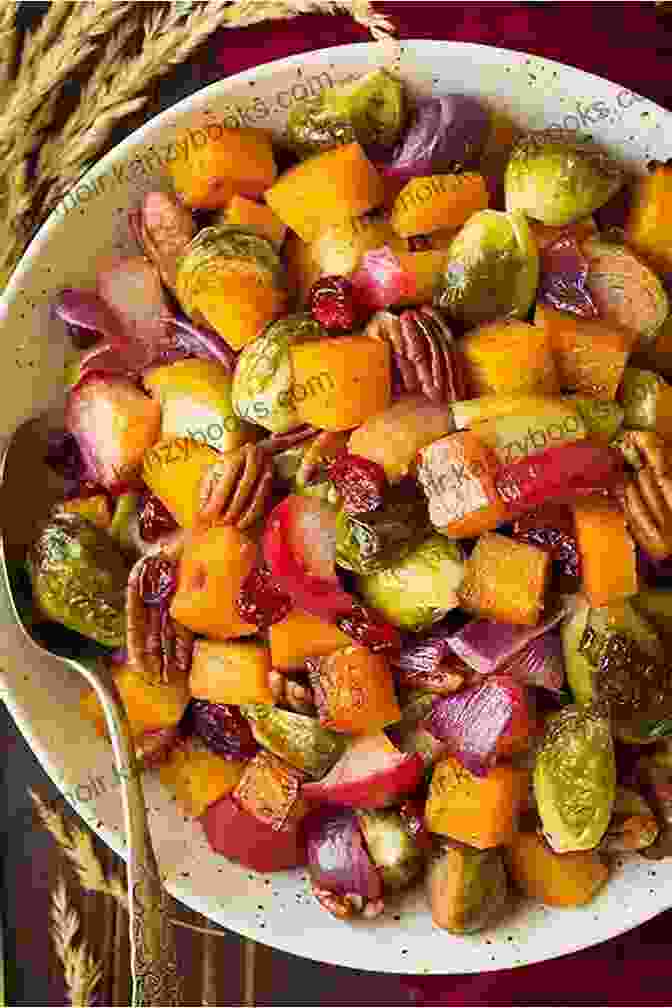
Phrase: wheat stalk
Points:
(9, 41)
(249, 12)
(79, 39)
(38, 41)
(82, 972)
(77, 845)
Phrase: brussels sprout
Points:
(421, 589)
(79, 578)
(643, 393)
(558, 178)
(492, 270)
(625, 291)
(262, 380)
(466, 888)
(210, 251)
(371, 110)
(375, 540)
(601, 418)
(123, 519)
(392, 848)
(296, 738)
(633, 825)
(580, 672)
(575, 778)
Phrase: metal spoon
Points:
(22, 505)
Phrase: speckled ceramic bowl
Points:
(92, 221)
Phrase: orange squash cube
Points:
(326, 189)
(198, 777)
(507, 357)
(148, 707)
(480, 811)
(223, 163)
(505, 580)
(558, 880)
(270, 790)
(239, 303)
(354, 691)
(590, 355)
(433, 202)
(340, 382)
(426, 268)
(607, 551)
(256, 217)
(211, 572)
(300, 636)
(173, 470)
(231, 672)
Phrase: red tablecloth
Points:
(627, 43)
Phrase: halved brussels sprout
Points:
(467, 889)
(79, 578)
(371, 110)
(421, 589)
(212, 249)
(575, 778)
(375, 540)
(644, 395)
(492, 269)
(624, 289)
(300, 740)
(394, 851)
(263, 379)
(558, 178)
(601, 418)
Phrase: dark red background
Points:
(630, 43)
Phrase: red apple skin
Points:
(233, 832)
(376, 790)
(317, 591)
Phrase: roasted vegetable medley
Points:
(367, 500)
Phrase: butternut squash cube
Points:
(558, 880)
(198, 777)
(228, 672)
(208, 173)
(301, 636)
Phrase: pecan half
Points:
(236, 488)
(163, 227)
(424, 352)
(159, 648)
(346, 906)
(290, 693)
(647, 495)
(319, 454)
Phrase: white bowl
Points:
(43, 699)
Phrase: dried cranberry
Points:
(223, 729)
(367, 629)
(261, 600)
(551, 528)
(360, 482)
(155, 521)
(158, 580)
(333, 303)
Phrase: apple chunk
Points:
(372, 773)
(299, 546)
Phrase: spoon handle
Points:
(153, 957)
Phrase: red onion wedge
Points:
(200, 341)
(485, 645)
(339, 863)
(86, 309)
(482, 722)
(540, 663)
